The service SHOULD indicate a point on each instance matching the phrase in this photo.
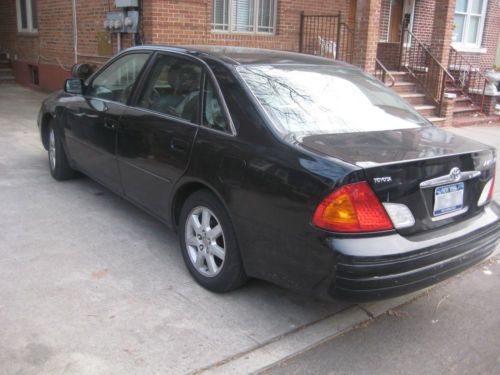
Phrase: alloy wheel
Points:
(52, 150)
(205, 241)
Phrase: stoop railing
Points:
(466, 76)
(326, 36)
(427, 71)
(382, 73)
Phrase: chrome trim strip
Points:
(451, 214)
(448, 179)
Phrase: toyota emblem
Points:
(455, 173)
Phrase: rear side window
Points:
(117, 80)
(173, 88)
(308, 99)
(213, 114)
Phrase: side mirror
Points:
(73, 86)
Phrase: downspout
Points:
(75, 33)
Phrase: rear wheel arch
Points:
(183, 192)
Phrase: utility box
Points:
(126, 3)
(120, 21)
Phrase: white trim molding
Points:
(29, 24)
(461, 44)
(460, 47)
(226, 16)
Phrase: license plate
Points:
(448, 198)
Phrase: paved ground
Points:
(452, 329)
(91, 285)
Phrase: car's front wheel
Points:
(58, 162)
(209, 245)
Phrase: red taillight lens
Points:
(352, 208)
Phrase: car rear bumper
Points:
(365, 273)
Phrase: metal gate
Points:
(327, 36)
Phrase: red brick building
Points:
(42, 39)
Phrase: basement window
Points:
(244, 16)
(34, 75)
(27, 18)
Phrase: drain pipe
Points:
(119, 41)
(75, 33)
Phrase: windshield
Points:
(307, 99)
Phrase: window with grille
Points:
(244, 16)
(27, 19)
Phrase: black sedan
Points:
(295, 169)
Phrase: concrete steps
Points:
(408, 90)
(464, 112)
(465, 109)
(6, 73)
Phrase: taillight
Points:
(492, 188)
(487, 193)
(352, 208)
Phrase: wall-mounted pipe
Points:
(75, 33)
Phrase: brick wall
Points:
(188, 22)
(385, 19)
(388, 54)
(423, 21)
(180, 22)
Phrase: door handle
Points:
(110, 124)
(179, 145)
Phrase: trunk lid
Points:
(421, 168)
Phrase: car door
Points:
(157, 131)
(92, 119)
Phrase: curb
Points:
(298, 341)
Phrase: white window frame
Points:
(229, 5)
(29, 18)
(476, 46)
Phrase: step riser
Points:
(427, 112)
(404, 89)
(6, 74)
(402, 78)
(465, 113)
(416, 101)
(438, 122)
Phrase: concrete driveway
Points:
(91, 285)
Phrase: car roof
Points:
(246, 56)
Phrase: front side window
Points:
(117, 80)
(308, 99)
(468, 22)
(27, 18)
(173, 88)
(254, 16)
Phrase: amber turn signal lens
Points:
(352, 208)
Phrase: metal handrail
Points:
(427, 51)
(471, 79)
(385, 72)
(425, 68)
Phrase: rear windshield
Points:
(307, 99)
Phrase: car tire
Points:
(209, 246)
(58, 162)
